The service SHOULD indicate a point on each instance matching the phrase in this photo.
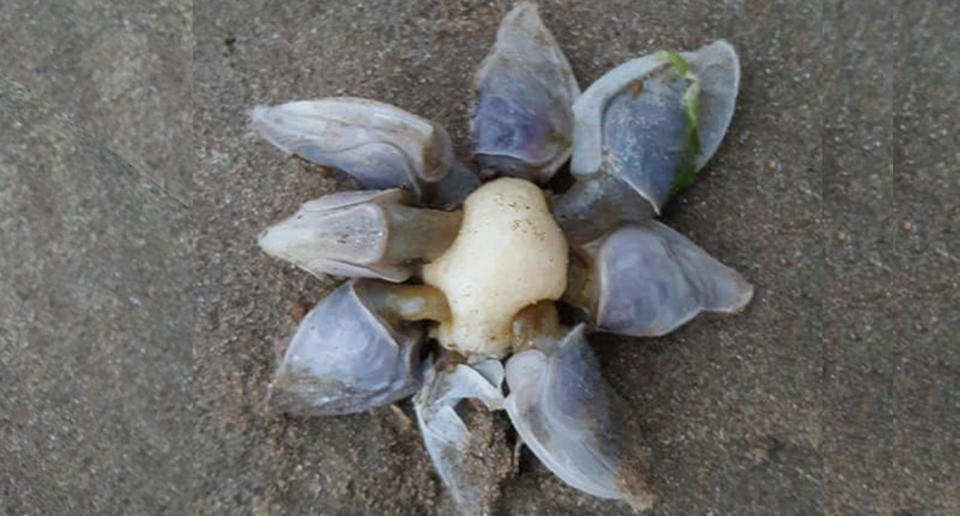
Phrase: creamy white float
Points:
(509, 254)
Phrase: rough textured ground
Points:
(131, 194)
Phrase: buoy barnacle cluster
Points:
(472, 262)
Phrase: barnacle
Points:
(438, 256)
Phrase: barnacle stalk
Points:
(597, 204)
(534, 323)
(405, 303)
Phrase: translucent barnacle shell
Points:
(449, 441)
(522, 122)
(347, 357)
(647, 280)
(382, 146)
(575, 424)
(652, 122)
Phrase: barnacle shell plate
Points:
(522, 123)
(345, 358)
(650, 280)
(631, 123)
(574, 423)
(381, 145)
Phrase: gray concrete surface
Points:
(127, 238)
(95, 332)
(119, 70)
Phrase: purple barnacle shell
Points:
(574, 423)
(654, 121)
(380, 145)
(647, 280)
(345, 357)
(522, 122)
